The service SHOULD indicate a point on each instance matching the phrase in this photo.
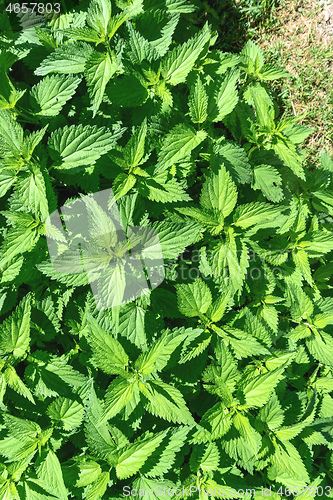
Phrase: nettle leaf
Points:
(166, 401)
(135, 148)
(194, 299)
(198, 102)
(161, 187)
(51, 375)
(108, 353)
(286, 150)
(21, 238)
(122, 184)
(302, 306)
(97, 434)
(163, 458)
(99, 69)
(140, 47)
(174, 237)
(235, 160)
(66, 59)
(32, 190)
(219, 192)
(132, 324)
(172, 6)
(297, 133)
(11, 378)
(99, 14)
(11, 134)
(84, 33)
(78, 146)
(50, 476)
(158, 29)
(7, 180)
(326, 162)
(178, 63)
(321, 347)
(259, 98)
(271, 413)
(120, 392)
(257, 391)
(301, 260)
(66, 411)
(15, 330)
(223, 96)
(31, 141)
(272, 72)
(288, 466)
(254, 213)
(69, 412)
(127, 91)
(252, 57)
(131, 460)
(177, 145)
(48, 97)
(99, 486)
(157, 357)
(268, 180)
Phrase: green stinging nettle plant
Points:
(221, 378)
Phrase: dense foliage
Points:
(221, 378)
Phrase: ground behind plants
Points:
(298, 35)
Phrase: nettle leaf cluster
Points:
(221, 378)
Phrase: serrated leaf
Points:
(97, 434)
(99, 486)
(166, 401)
(122, 184)
(250, 214)
(174, 237)
(257, 391)
(223, 96)
(194, 299)
(98, 15)
(268, 180)
(31, 188)
(131, 460)
(99, 69)
(219, 192)
(161, 460)
(159, 353)
(11, 134)
(178, 62)
(301, 260)
(120, 392)
(15, 330)
(321, 347)
(272, 72)
(67, 412)
(198, 102)
(50, 475)
(127, 91)
(48, 97)
(67, 59)
(108, 353)
(78, 146)
(285, 149)
(135, 147)
(177, 145)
